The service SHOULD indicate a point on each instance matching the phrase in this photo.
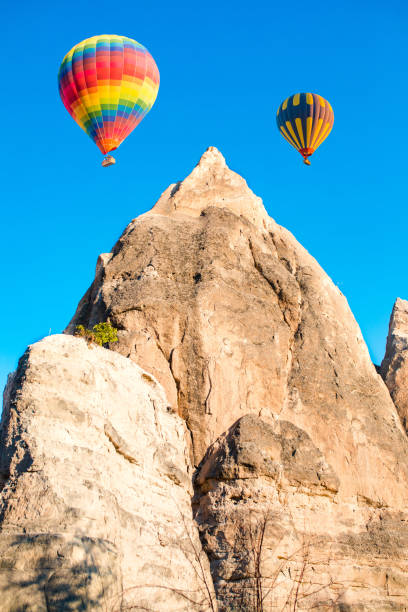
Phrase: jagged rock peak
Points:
(398, 330)
(211, 157)
(394, 368)
(399, 317)
(212, 183)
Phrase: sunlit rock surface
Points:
(283, 416)
(96, 487)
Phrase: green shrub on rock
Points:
(101, 333)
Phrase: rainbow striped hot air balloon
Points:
(305, 120)
(108, 84)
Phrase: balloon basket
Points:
(108, 161)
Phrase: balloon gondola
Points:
(108, 161)
(305, 120)
(108, 84)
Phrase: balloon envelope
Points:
(305, 120)
(108, 83)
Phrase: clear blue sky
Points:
(225, 67)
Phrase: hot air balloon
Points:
(305, 120)
(108, 83)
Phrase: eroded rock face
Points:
(235, 319)
(274, 525)
(96, 489)
(394, 368)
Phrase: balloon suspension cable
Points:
(108, 161)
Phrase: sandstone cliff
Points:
(293, 436)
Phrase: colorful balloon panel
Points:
(108, 84)
(305, 120)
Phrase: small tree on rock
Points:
(101, 333)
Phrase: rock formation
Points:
(96, 488)
(293, 435)
(394, 368)
(234, 317)
(266, 495)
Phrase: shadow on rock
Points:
(44, 572)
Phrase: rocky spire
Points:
(394, 368)
(212, 183)
(284, 413)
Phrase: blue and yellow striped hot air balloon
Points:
(305, 120)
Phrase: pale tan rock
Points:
(394, 368)
(212, 183)
(316, 551)
(95, 502)
(235, 318)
